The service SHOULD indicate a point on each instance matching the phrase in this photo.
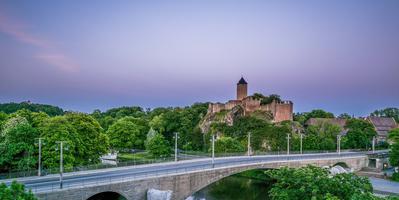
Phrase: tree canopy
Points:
(387, 112)
(313, 183)
(15, 191)
(33, 107)
(84, 139)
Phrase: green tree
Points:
(393, 135)
(345, 116)
(17, 150)
(15, 191)
(158, 146)
(359, 135)
(228, 145)
(321, 136)
(387, 112)
(315, 183)
(14, 107)
(84, 140)
(127, 133)
(317, 113)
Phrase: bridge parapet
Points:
(185, 183)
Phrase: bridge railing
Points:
(183, 155)
(93, 181)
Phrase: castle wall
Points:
(284, 111)
(251, 104)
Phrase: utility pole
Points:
(373, 144)
(213, 150)
(288, 144)
(176, 146)
(339, 144)
(39, 170)
(301, 142)
(249, 144)
(61, 160)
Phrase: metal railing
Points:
(95, 181)
(183, 155)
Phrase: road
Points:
(93, 177)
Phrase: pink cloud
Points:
(18, 31)
(59, 60)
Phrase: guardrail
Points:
(183, 155)
(95, 181)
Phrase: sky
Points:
(340, 56)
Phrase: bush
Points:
(228, 145)
(15, 191)
(395, 176)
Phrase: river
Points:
(236, 187)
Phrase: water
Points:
(237, 187)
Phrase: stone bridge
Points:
(184, 184)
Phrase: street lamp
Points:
(301, 142)
(213, 150)
(61, 160)
(339, 144)
(373, 143)
(288, 144)
(249, 144)
(39, 170)
(176, 136)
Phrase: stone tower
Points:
(242, 89)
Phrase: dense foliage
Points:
(360, 134)
(14, 107)
(158, 146)
(228, 144)
(84, 140)
(394, 151)
(128, 133)
(267, 99)
(315, 183)
(387, 112)
(318, 113)
(15, 191)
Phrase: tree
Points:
(15, 191)
(14, 107)
(17, 149)
(345, 116)
(3, 119)
(321, 136)
(317, 113)
(127, 133)
(158, 146)
(84, 140)
(393, 135)
(227, 144)
(387, 112)
(316, 183)
(359, 135)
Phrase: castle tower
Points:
(242, 89)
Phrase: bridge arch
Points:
(107, 195)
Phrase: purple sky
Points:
(342, 55)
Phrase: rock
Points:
(153, 194)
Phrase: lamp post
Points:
(288, 144)
(301, 142)
(176, 136)
(249, 144)
(39, 170)
(339, 144)
(373, 143)
(61, 160)
(213, 150)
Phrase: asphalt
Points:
(93, 177)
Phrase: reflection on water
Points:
(235, 188)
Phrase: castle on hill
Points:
(280, 110)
